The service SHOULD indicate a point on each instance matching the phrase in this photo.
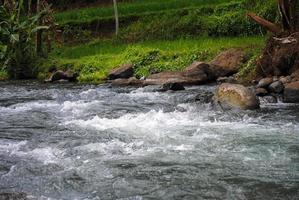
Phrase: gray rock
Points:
(265, 82)
(276, 87)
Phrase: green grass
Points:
(143, 20)
(93, 61)
(138, 7)
(3, 75)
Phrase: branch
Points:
(265, 23)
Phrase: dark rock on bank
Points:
(228, 62)
(195, 74)
(62, 76)
(265, 82)
(236, 96)
(124, 71)
(276, 87)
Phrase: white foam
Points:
(77, 107)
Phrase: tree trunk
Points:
(281, 55)
(39, 33)
(116, 17)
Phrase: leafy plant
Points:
(17, 33)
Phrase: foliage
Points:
(142, 20)
(17, 32)
(93, 61)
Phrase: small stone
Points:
(276, 87)
(286, 79)
(265, 82)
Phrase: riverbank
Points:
(93, 61)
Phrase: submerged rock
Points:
(13, 196)
(261, 92)
(236, 96)
(172, 86)
(124, 71)
(291, 92)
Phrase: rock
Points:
(269, 99)
(13, 196)
(204, 97)
(261, 92)
(291, 92)
(124, 71)
(286, 79)
(61, 76)
(236, 96)
(228, 62)
(71, 76)
(265, 82)
(226, 80)
(276, 87)
(195, 74)
(172, 86)
(127, 82)
(57, 76)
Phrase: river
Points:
(98, 142)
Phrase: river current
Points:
(69, 141)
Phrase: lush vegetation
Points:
(154, 35)
(17, 47)
(150, 20)
(94, 60)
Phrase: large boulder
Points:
(124, 71)
(291, 92)
(228, 62)
(236, 96)
(195, 74)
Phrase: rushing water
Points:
(98, 142)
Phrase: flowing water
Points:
(98, 142)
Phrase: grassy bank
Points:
(93, 61)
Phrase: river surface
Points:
(97, 142)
